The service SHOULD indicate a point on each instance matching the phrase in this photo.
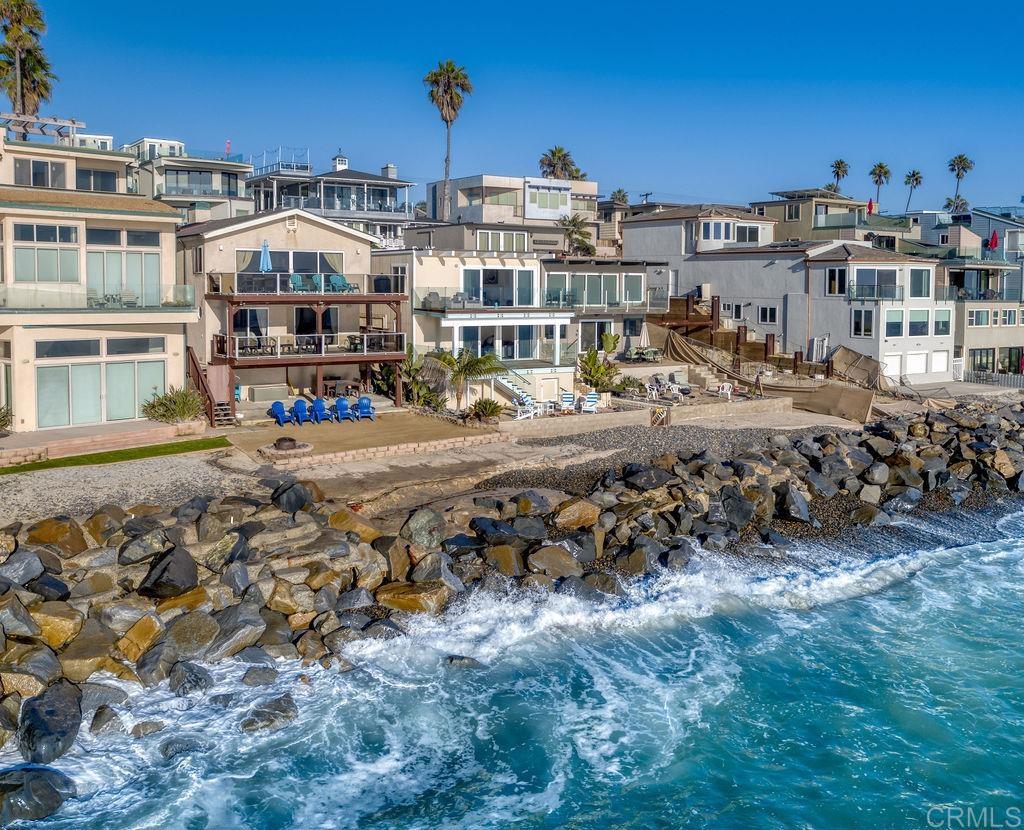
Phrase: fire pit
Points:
(285, 447)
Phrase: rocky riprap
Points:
(149, 595)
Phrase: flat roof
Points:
(701, 211)
(64, 148)
(84, 201)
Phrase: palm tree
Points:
(840, 170)
(913, 180)
(458, 371)
(956, 204)
(557, 163)
(37, 77)
(577, 175)
(831, 187)
(960, 166)
(880, 175)
(22, 23)
(449, 84)
(620, 196)
(577, 236)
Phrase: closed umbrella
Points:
(645, 337)
(265, 264)
(871, 206)
(993, 243)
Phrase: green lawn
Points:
(112, 457)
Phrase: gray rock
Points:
(49, 723)
(678, 556)
(106, 722)
(179, 745)
(240, 626)
(154, 666)
(870, 494)
(95, 695)
(574, 586)
(791, 504)
(172, 574)
(877, 473)
(260, 676)
(15, 619)
(461, 662)
(425, 528)
(49, 587)
(186, 678)
(356, 598)
(21, 567)
(271, 715)
(255, 655)
(30, 793)
(192, 634)
(555, 561)
(145, 547)
(236, 577)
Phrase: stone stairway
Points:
(704, 376)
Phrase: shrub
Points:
(597, 372)
(175, 405)
(609, 342)
(6, 418)
(485, 409)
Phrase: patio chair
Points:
(340, 285)
(343, 412)
(278, 413)
(320, 412)
(300, 412)
(725, 391)
(525, 409)
(365, 409)
(568, 401)
(590, 403)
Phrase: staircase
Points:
(704, 376)
(218, 413)
(510, 389)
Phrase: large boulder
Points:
(240, 626)
(505, 558)
(144, 547)
(576, 514)
(172, 574)
(531, 503)
(58, 622)
(63, 532)
(91, 651)
(414, 596)
(291, 497)
(192, 634)
(105, 522)
(554, 561)
(425, 528)
(186, 678)
(790, 503)
(271, 715)
(15, 618)
(30, 793)
(49, 723)
(28, 669)
(22, 567)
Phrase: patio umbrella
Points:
(993, 243)
(265, 264)
(871, 206)
(645, 337)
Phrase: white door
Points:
(940, 361)
(891, 366)
(917, 363)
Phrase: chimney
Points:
(340, 162)
(389, 171)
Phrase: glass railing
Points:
(447, 299)
(836, 220)
(284, 283)
(656, 299)
(346, 205)
(256, 346)
(952, 292)
(75, 297)
(195, 190)
(876, 292)
(567, 353)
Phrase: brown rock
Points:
(91, 651)
(139, 510)
(302, 619)
(430, 597)
(198, 599)
(577, 513)
(140, 637)
(554, 561)
(505, 559)
(345, 519)
(192, 634)
(105, 522)
(319, 575)
(147, 727)
(58, 622)
(28, 669)
(63, 532)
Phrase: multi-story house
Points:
(92, 321)
(984, 280)
(91, 141)
(678, 235)
(199, 184)
(518, 200)
(813, 296)
(816, 213)
(379, 205)
(290, 302)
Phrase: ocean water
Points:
(879, 685)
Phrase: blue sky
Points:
(693, 101)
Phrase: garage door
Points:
(917, 363)
(891, 365)
(940, 361)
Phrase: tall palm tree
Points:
(577, 236)
(880, 174)
(620, 196)
(37, 77)
(956, 204)
(840, 170)
(458, 371)
(22, 24)
(831, 187)
(960, 166)
(913, 180)
(557, 163)
(449, 85)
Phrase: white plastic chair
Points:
(725, 391)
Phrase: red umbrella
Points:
(993, 243)
(871, 206)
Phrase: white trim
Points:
(259, 219)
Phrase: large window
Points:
(38, 173)
(251, 321)
(500, 241)
(188, 182)
(977, 317)
(920, 283)
(835, 282)
(632, 326)
(549, 199)
(982, 360)
(748, 233)
(943, 316)
(131, 278)
(305, 321)
(894, 322)
(1009, 317)
(229, 184)
(863, 322)
(46, 264)
(291, 262)
(590, 333)
(633, 287)
(793, 213)
(918, 323)
(101, 180)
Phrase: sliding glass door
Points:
(121, 405)
(68, 395)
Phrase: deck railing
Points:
(285, 283)
(62, 297)
(258, 347)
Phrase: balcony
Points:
(968, 295)
(197, 190)
(352, 347)
(305, 285)
(876, 292)
(656, 299)
(856, 219)
(71, 297)
(205, 155)
(502, 298)
(346, 207)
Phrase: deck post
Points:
(398, 384)
(716, 316)
(798, 358)
(769, 346)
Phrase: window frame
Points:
(889, 312)
(865, 315)
(793, 212)
(837, 272)
(767, 319)
(948, 313)
(927, 322)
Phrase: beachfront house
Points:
(200, 184)
(375, 204)
(92, 320)
(290, 305)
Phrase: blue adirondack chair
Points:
(340, 285)
(278, 413)
(364, 409)
(320, 411)
(343, 412)
(300, 412)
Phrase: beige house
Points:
(92, 322)
(816, 213)
(290, 302)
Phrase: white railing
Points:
(260, 347)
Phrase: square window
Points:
(767, 315)
(918, 323)
(894, 323)
(942, 322)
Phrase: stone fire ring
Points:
(285, 447)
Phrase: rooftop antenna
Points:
(645, 196)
